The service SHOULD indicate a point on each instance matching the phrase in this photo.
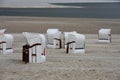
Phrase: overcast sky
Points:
(34, 1)
(21, 3)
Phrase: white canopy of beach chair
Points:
(104, 35)
(36, 44)
(76, 43)
(53, 38)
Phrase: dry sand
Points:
(100, 62)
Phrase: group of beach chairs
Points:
(34, 51)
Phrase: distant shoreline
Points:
(70, 10)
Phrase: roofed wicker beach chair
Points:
(76, 43)
(34, 51)
(6, 42)
(66, 37)
(54, 38)
(104, 35)
(2, 44)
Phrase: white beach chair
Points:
(6, 42)
(2, 44)
(76, 43)
(34, 51)
(54, 38)
(104, 35)
(66, 37)
(9, 43)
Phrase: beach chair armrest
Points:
(70, 42)
(57, 39)
(36, 44)
(2, 42)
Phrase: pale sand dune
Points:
(41, 24)
(101, 62)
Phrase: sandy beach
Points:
(41, 24)
(100, 61)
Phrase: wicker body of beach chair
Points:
(104, 35)
(54, 38)
(34, 51)
(76, 43)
